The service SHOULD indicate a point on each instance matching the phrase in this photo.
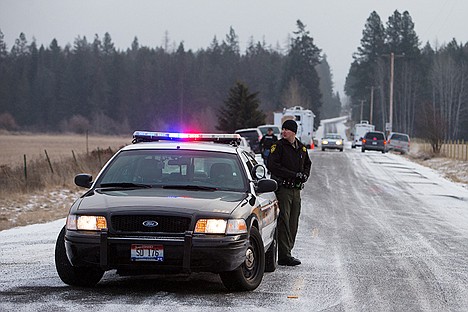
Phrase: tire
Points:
(363, 150)
(383, 152)
(353, 146)
(73, 276)
(271, 256)
(250, 273)
(341, 150)
(323, 150)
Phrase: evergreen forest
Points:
(430, 83)
(92, 86)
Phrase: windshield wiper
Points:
(190, 187)
(124, 185)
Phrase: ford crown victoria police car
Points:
(172, 203)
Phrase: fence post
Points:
(25, 169)
(465, 147)
(450, 148)
(48, 160)
(99, 156)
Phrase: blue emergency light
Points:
(152, 136)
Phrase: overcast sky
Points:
(335, 25)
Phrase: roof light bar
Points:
(151, 136)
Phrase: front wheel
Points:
(73, 276)
(250, 273)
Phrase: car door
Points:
(266, 205)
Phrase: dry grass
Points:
(15, 145)
(41, 195)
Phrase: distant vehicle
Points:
(332, 141)
(359, 131)
(253, 135)
(276, 130)
(399, 142)
(246, 146)
(304, 119)
(173, 203)
(374, 141)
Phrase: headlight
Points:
(221, 226)
(339, 142)
(324, 142)
(87, 223)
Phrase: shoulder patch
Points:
(273, 148)
(304, 149)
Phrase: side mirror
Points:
(267, 185)
(258, 172)
(84, 180)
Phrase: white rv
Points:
(304, 119)
(359, 131)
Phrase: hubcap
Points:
(249, 259)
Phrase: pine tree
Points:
(303, 56)
(331, 106)
(3, 46)
(367, 71)
(241, 110)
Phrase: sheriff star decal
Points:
(273, 148)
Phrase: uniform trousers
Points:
(288, 220)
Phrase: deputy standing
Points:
(265, 144)
(289, 164)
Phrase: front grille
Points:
(134, 223)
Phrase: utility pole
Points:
(362, 105)
(371, 104)
(392, 63)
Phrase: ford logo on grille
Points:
(150, 223)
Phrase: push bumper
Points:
(187, 253)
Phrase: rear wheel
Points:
(363, 150)
(250, 273)
(73, 276)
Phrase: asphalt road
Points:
(377, 233)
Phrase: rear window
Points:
(399, 137)
(251, 135)
(376, 135)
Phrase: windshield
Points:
(333, 136)
(181, 169)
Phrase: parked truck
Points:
(304, 119)
(359, 130)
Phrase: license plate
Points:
(374, 143)
(147, 253)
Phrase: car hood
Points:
(183, 201)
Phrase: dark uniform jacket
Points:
(267, 141)
(286, 161)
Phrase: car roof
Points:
(198, 146)
(246, 130)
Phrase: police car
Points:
(173, 203)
